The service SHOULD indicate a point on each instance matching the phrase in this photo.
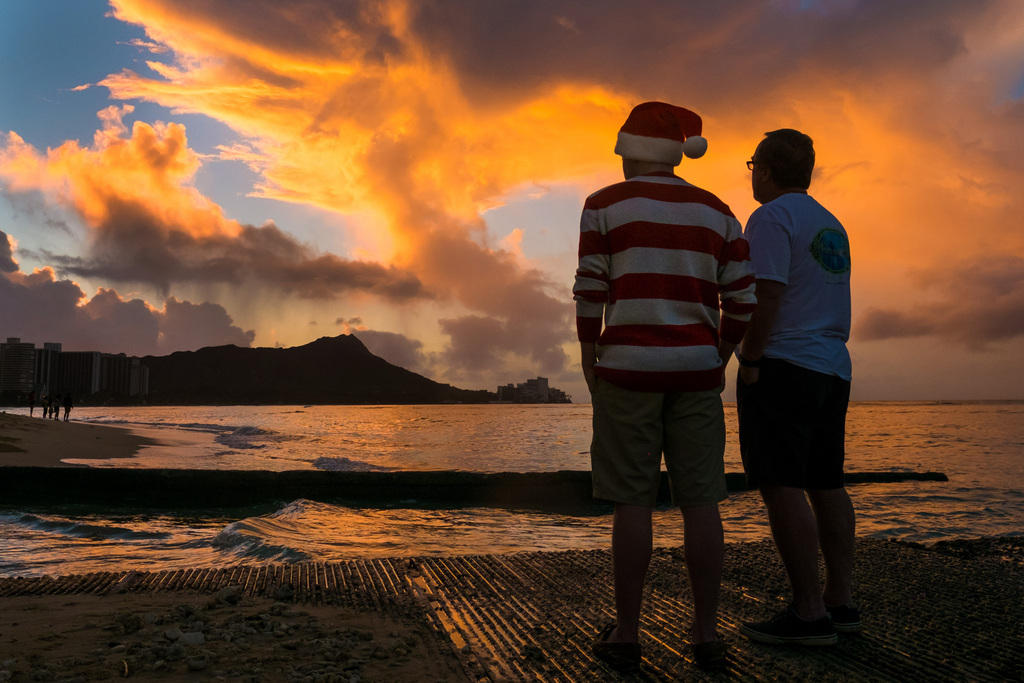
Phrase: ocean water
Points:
(979, 445)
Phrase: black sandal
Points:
(619, 656)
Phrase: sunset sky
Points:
(183, 173)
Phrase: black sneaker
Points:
(845, 619)
(786, 628)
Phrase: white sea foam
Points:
(244, 542)
(273, 537)
(340, 464)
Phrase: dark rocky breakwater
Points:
(561, 492)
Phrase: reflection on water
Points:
(980, 446)
(975, 443)
(308, 530)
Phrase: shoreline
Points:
(5, 409)
(38, 442)
(499, 617)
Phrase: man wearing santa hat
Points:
(664, 292)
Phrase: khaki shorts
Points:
(633, 428)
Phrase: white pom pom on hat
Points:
(661, 133)
(695, 146)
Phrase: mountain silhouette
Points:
(329, 370)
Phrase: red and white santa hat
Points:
(662, 133)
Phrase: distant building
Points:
(139, 384)
(46, 367)
(78, 373)
(17, 366)
(532, 391)
(50, 371)
(122, 375)
(537, 389)
(558, 396)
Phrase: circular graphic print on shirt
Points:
(831, 249)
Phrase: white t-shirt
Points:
(796, 241)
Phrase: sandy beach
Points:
(36, 442)
(946, 612)
(191, 636)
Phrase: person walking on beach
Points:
(68, 405)
(31, 402)
(664, 264)
(793, 391)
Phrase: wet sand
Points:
(187, 636)
(35, 442)
(946, 612)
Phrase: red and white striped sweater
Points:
(657, 255)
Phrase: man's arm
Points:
(591, 290)
(725, 349)
(736, 290)
(769, 296)
(588, 359)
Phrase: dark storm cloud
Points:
(521, 316)
(477, 342)
(979, 304)
(133, 244)
(7, 262)
(482, 344)
(302, 29)
(186, 325)
(509, 46)
(38, 307)
(396, 349)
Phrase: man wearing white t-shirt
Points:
(793, 390)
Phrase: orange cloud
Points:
(148, 224)
(152, 166)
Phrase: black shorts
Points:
(793, 427)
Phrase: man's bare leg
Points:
(631, 554)
(705, 547)
(796, 537)
(836, 531)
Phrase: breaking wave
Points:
(275, 537)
